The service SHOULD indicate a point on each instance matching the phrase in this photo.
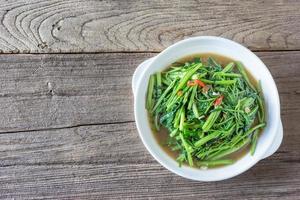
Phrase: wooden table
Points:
(67, 125)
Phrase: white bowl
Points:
(268, 142)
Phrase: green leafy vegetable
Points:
(210, 111)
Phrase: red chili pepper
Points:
(218, 101)
(191, 83)
(200, 83)
(196, 82)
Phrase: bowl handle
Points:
(138, 72)
(276, 143)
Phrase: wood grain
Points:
(100, 144)
(94, 144)
(36, 26)
(66, 126)
(52, 91)
(110, 162)
(65, 90)
(67, 132)
(144, 181)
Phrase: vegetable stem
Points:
(254, 142)
(244, 74)
(149, 103)
(206, 139)
(214, 163)
(187, 76)
(211, 120)
(163, 95)
(188, 150)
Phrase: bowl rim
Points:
(178, 170)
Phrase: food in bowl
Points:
(206, 110)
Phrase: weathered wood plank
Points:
(96, 144)
(109, 161)
(53, 91)
(97, 26)
(103, 144)
(269, 180)
(47, 91)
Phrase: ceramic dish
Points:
(268, 142)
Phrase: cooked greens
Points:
(209, 110)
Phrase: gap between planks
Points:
(135, 52)
(66, 127)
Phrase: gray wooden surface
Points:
(67, 129)
(95, 26)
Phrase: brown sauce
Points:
(163, 135)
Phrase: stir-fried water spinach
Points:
(209, 110)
